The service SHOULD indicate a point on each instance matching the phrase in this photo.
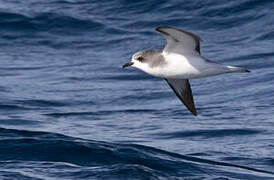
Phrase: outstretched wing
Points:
(180, 41)
(182, 89)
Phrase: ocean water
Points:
(69, 111)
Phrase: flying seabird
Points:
(179, 61)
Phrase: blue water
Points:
(68, 110)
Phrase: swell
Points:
(208, 133)
(113, 159)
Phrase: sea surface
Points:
(69, 111)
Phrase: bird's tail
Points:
(234, 69)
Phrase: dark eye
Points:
(140, 58)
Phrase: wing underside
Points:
(182, 89)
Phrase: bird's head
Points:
(145, 60)
(138, 60)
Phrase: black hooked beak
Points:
(127, 64)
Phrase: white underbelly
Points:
(181, 68)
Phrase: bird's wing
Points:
(180, 41)
(182, 89)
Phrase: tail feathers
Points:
(237, 69)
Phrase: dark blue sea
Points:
(69, 111)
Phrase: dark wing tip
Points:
(247, 71)
(194, 112)
(160, 29)
(192, 109)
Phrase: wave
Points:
(208, 133)
(29, 151)
(45, 22)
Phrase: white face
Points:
(139, 61)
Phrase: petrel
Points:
(179, 61)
